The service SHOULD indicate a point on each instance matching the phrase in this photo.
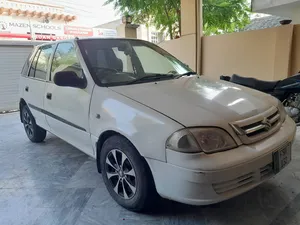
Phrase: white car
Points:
(151, 123)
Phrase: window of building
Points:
(65, 59)
(154, 37)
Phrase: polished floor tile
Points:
(53, 183)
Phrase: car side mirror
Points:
(69, 79)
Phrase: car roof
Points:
(90, 38)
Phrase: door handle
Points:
(27, 88)
(49, 96)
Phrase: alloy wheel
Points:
(120, 174)
(28, 125)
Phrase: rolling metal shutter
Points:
(12, 59)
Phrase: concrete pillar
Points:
(191, 26)
(127, 30)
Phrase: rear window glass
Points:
(33, 64)
(26, 66)
(41, 62)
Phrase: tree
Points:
(219, 16)
(225, 16)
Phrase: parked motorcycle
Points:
(287, 91)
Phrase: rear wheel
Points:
(126, 175)
(34, 132)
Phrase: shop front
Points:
(33, 21)
(22, 29)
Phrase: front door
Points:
(67, 108)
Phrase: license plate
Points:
(282, 158)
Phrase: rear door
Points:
(35, 83)
(67, 108)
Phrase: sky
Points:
(89, 12)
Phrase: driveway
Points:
(53, 183)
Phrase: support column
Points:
(127, 30)
(191, 27)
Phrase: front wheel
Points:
(126, 175)
(34, 132)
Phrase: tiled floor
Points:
(55, 184)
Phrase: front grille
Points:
(258, 127)
(244, 180)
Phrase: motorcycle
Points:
(287, 91)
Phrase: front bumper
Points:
(200, 179)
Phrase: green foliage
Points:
(224, 16)
(219, 16)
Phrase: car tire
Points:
(126, 175)
(35, 133)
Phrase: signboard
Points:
(107, 33)
(78, 31)
(17, 28)
(24, 26)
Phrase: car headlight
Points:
(281, 111)
(194, 140)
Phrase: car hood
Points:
(199, 100)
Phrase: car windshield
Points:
(124, 62)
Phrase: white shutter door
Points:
(12, 59)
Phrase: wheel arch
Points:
(21, 104)
(103, 137)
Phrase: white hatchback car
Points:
(151, 123)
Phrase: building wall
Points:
(262, 54)
(183, 48)
(110, 25)
(144, 32)
(268, 54)
(264, 4)
(295, 55)
(284, 8)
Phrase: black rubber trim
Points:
(56, 117)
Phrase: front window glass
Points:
(120, 62)
(65, 59)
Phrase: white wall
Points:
(265, 4)
(283, 8)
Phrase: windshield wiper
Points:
(152, 78)
(186, 74)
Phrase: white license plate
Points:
(282, 158)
